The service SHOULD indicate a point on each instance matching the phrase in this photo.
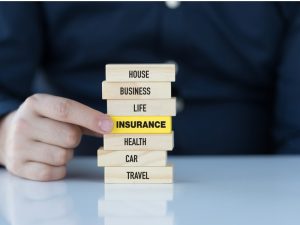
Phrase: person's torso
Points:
(225, 54)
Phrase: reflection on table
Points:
(136, 204)
(26, 202)
(207, 190)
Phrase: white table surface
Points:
(207, 190)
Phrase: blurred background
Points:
(238, 71)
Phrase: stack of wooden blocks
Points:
(141, 107)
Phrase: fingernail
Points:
(106, 125)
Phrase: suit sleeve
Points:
(20, 52)
(287, 99)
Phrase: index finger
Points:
(70, 111)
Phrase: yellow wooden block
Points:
(142, 107)
(138, 142)
(131, 158)
(138, 175)
(141, 124)
(140, 72)
(136, 90)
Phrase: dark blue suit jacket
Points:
(238, 77)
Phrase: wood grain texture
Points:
(136, 90)
(141, 124)
(143, 175)
(145, 107)
(138, 142)
(131, 158)
(156, 72)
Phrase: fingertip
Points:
(106, 125)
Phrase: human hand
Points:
(38, 140)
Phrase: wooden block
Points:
(138, 142)
(136, 90)
(140, 72)
(141, 124)
(144, 107)
(131, 158)
(138, 175)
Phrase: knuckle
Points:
(48, 174)
(62, 108)
(61, 157)
(29, 104)
(13, 164)
(12, 155)
(13, 158)
(20, 125)
(44, 175)
(72, 138)
(63, 173)
(31, 101)
(35, 97)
